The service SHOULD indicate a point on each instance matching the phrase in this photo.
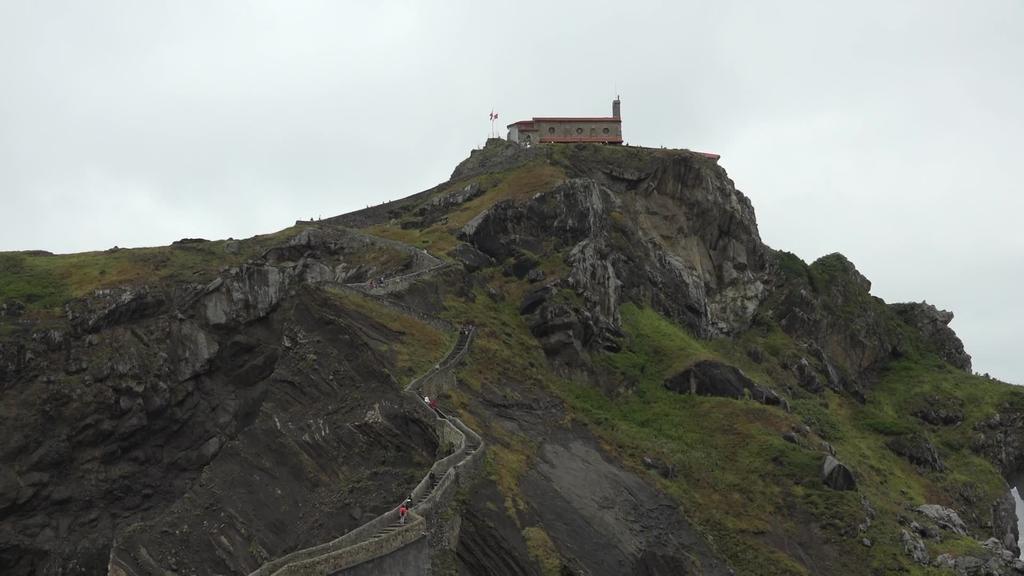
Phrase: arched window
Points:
(605, 131)
(551, 129)
(579, 130)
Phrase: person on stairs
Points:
(402, 512)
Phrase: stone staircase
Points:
(385, 534)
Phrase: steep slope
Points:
(660, 392)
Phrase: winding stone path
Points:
(384, 534)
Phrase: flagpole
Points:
(493, 117)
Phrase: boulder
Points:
(807, 377)
(918, 450)
(913, 547)
(926, 530)
(940, 411)
(709, 378)
(946, 518)
(471, 258)
(456, 197)
(933, 324)
(534, 298)
(836, 475)
(664, 469)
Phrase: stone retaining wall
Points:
(356, 554)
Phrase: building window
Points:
(551, 129)
(605, 131)
(579, 130)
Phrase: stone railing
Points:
(373, 539)
(362, 551)
(398, 283)
(428, 319)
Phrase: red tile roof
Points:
(530, 123)
(564, 139)
(581, 119)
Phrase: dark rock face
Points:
(566, 332)
(836, 475)
(708, 378)
(940, 411)
(934, 326)
(113, 306)
(580, 497)
(677, 234)
(828, 306)
(187, 409)
(807, 377)
(945, 518)
(491, 544)
(471, 258)
(497, 156)
(1004, 523)
(918, 450)
(914, 547)
(1000, 438)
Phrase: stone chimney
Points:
(615, 108)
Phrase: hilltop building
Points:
(600, 129)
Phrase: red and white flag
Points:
(493, 116)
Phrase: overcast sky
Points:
(888, 131)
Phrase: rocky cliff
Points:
(661, 393)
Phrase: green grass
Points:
(44, 283)
(737, 480)
(654, 349)
(543, 551)
(516, 185)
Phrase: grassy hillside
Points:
(759, 497)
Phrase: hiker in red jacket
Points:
(402, 511)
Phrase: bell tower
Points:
(615, 108)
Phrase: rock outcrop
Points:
(708, 378)
(677, 234)
(135, 412)
(918, 450)
(836, 475)
(946, 518)
(934, 326)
